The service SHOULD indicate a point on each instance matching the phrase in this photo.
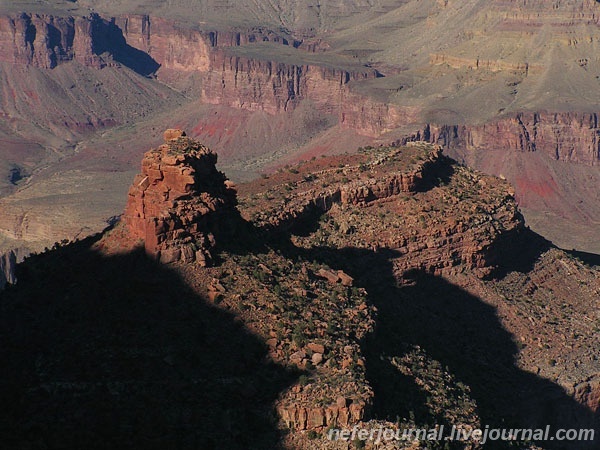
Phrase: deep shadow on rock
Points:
(516, 251)
(591, 259)
(464, 334)
(109, 38)
(459, 330)
(453, 327)
(117, 352)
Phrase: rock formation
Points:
(465, 236)
(231, 78)
(46, 41)
(566, 136)
(146, 44)
(355, 293)
(8, 262)
(177, 201)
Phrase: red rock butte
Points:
(176, 202)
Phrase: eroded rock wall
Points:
(174, 204)
(567, 136)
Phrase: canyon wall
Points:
(159, 46)
(186, 49)
(568, 136)
(43, 41)
(372, 117)
(564, 136)
(272, 86)
(46, 41)
(227, 77)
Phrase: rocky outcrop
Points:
(357, 192)
(46, 41)
(588, 394)
(43, 41)
(341, 414)
(468, 234)
(178, 200)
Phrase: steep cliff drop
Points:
(177, 201)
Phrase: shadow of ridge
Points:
(118, 352)
(591, 259)
(460, 331)
(108, 37)
(464, 334)
(516, 251)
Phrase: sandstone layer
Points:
(466, 237)
(178, 201)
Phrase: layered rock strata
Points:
(360, 191)
(177, 201)
(456, 233)
(567, 136)
(149, 44)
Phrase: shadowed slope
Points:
(119, 353)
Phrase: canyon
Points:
(308, 305)
(401, 187)
(267, 96)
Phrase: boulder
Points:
(172, 134)
(316, 348)
(346, 279)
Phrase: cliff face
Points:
(46, 41)
(36, 39)
(564, 136)
(235, 80)
(185, 49)
(372, 117)
(147, 44)
(174, 205)
(252, 84)
(272, 86)
(568, 136)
